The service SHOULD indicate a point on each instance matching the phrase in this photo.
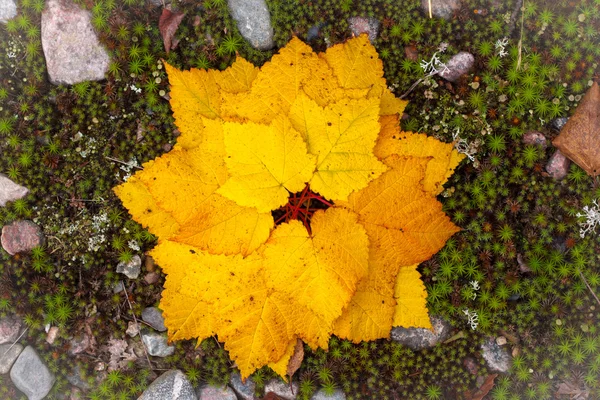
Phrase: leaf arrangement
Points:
(322, 125)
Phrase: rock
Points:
(558, 123)
(253, 21)
(118, 287)
(282, 389)
(471, 365)
(156, 344)
(10, 191)
(154, 317)
(132, 268)
(76, 378)
(8, 355)
(336, 395)
(8, 10)
(244, 390)
(458, 65)
(313, 31)
(71, 47)
(421, 338)
(151, 278)
(10, 327)
(52, 335)
(172, 385)
(76, 394)
(441, 8)
(31, 376)
(21, 236)
(558, 165)
(210, 392)
(79, 344)
(500, 340)
(497, 357)
(132, 328)
(360, 25)
(535, 138)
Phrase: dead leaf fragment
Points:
(579, 140)
(488, 385)
(296, 359)
(167, 25)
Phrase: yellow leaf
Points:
(194, 94)
(187, 301)
(323, 87)
(220, 226)
(319, 271)
(411, 296)
(405, 224)
(237, 78)
(142, 206)
(280, 366)
(355, 63)
(265, 163)
(276, 85)
(345, 161)
(444, 158)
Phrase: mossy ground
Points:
(71, 144)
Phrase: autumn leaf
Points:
(579, 139)
(292, 207)
(167, 25)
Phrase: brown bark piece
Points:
(579, 139)
(488, 384)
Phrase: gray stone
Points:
(118, 287)
(132, 268)
(535, 138)
(8, 355)
(79, 344)
(211, 392)
(360, 25)
(253, 21)
(558, 165)
(282, 389)
(313, 31)
(77, 379)
(245, 390)
(156, 344)
(457, 66)
(336, 395)
(10, 191)
(496, 357)
(10, 327)
(21, 236)
(8, 10)
(558, 123)
(31, 376)
(172, 385)
(441, 8)
(421, 338)
(154, 317)
(132, 329)
(71, 47)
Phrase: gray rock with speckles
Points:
(244, 390)
(10, 191)
(282, 389)
(132, 268)
(8, 10)
(441, 8)
(156, 344)
(496, 357)
(8, 355)
(31, 376)
(336, 395)
(421, 338)
(253, 21)
(172, 385)
(211, 392)
(459, 65)
(154, 317)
